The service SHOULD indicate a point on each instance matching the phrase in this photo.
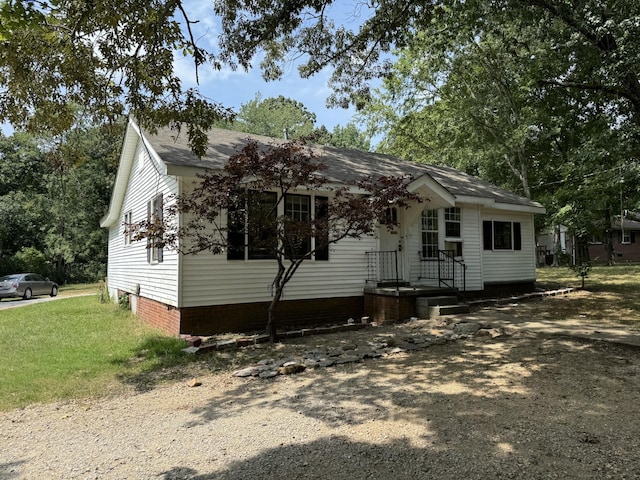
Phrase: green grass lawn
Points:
(613, 292)
(618, 278)
(74, 348)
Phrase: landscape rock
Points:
(244, 372)
(291, 369)
(466, 328)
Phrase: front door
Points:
(389, 243)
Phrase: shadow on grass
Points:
(154, 361)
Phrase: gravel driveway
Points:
(524, 407)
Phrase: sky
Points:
(233, 88)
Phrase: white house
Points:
(469, 235)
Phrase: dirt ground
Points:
(524, 406)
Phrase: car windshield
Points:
(9, 278)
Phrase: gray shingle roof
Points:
(343, 165)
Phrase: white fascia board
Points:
(426, 182)
(491, 203)
(129, 145)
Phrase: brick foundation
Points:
(159, 315)
(386, 309)
(248, 317)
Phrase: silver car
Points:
(26, 285)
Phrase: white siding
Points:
(213, 280)
(510, 266)
(472, 246)
(127, 266)
(471, 234)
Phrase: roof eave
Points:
(532, 207)
(129, 145)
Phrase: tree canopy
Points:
(591, 45)
(115, 56)
(274, 117)
(111, 57)
(53, 192)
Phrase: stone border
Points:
(353, 353)
(486, 302)
(197, 345)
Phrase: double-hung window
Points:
(627, 237)
(261, 225)
(498, 235)
(430, 234)
(297, 212)
(452, 222)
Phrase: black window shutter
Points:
(633, 237)
(487, 230)
(148, 239)
(160, 214)
(322, 211)
(619, 237)
(517, 236)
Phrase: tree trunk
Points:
(278, 287)
(582, 250)
(557, 248)
(608, 238)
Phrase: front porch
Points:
(389, 298)
(440, 269)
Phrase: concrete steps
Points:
(430, 307)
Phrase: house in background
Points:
(468, 236)
(626, 241)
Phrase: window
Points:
(236, 211)
(390, 216)
(501, 235)
(452, 222)
(127, 222)
(627, 237)
(297, 212)
(261, 225)
(429, 234)
(155, 208)
(252, 224)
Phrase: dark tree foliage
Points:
(53, 192)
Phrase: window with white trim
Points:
(430, 234)
(252, 223)
(499, 235)
(452, 222)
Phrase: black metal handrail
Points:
(382, 266)
(443, 268)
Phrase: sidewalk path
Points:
(497, 316)
(7, 304)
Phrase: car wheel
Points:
(27, 294)
(54, 291)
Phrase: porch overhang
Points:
(435, 194)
